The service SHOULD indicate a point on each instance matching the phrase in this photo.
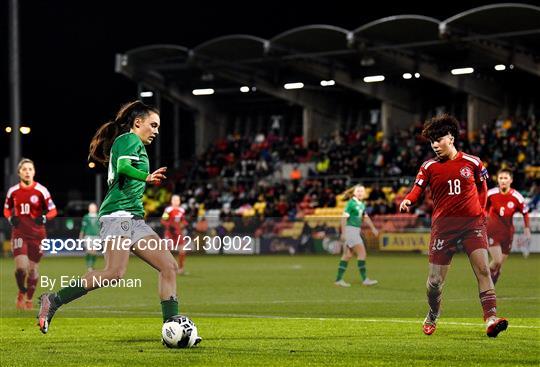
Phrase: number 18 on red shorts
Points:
(443, 245)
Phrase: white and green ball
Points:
(179, 332)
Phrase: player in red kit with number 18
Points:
(459, 191)
(25, 208)
(502, 202)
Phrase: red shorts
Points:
(503, 239)
(443, 246)
(30, 247)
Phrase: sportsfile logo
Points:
(206, 243)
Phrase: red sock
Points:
(20, 275)
(488, 299)
(31, 282)
(181, 259)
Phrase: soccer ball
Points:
(179, 332)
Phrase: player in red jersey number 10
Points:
(174, 221)
(28, 207)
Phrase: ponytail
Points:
(349, 193)
(101, 143)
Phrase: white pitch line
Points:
(276, 317)
(419, 322)
(350, 301)
(313, 301)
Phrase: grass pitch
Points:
(278, 310)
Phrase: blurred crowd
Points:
(360, 152)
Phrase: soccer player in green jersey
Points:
(120, 145)
(351, 222)
(90, 233)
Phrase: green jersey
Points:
(90, 225)
(355, 212)
(125, 194)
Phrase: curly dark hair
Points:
(441, 125)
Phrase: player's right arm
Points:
(344, 220)
(420, 184)
(343, 223)
(8, 205)
(9, 210)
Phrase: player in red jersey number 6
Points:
(459, 191)
(502, 202)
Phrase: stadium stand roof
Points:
(507, 33)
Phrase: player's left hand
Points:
(376, 233)
(40, 220)
(527, 233)
(14, 221)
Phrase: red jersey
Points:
(501, 208)
(173, 219)
(454, 190)
(28, 203)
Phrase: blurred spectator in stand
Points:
(201, 229)
(282, 206)
(306, 239)
(250, 166)
(322, 165)
(295, 176)
(226, 214)
(376, 201)
(534, 194)
(260, 206)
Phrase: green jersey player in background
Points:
(120, 145)
(351, 222)
(90, 233)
